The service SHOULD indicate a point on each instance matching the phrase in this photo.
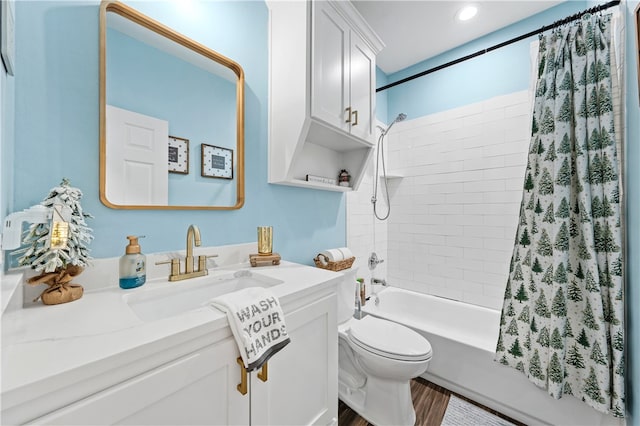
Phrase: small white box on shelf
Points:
(321, 179)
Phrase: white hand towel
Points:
(257, 323)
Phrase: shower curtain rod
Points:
(503, 44)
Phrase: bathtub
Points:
(463, 338)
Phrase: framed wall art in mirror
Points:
(180, 88)
(217, 162)
(178, 155)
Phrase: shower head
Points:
(401, 117)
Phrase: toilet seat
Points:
(388, 339)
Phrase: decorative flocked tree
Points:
(521, 295)
(568, 331)
(524, 315)
(534, 366)
(524, 240)
(515, 349)
(559, 305)
(528, 184)
(513, 328)
(583, 340)
(556, 339)
(574, 357)
(591, 387)
(533, 326)
(588, 318)
(543, 337)
(596, 354)
(544, 245)
(58, 264)
(549, 216)
(555, 369)
(541, 307)
(536, 266)
(563, 209)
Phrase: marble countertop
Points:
(41, 343)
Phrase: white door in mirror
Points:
(138, 157)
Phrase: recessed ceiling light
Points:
(467, 13)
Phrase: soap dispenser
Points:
(133, 271)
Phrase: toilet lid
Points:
(389, 339)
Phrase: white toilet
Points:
(377, 359)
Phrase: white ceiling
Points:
(416, 30)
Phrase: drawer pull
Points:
(264, 372)
(242, 387)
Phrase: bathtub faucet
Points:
(374, 281)
(380, 281)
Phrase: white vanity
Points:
(156, 355)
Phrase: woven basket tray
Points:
(333, 266)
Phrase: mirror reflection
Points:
(171, 118)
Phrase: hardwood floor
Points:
(429, 400)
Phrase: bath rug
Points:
(462, 413)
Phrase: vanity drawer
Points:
(198, 388)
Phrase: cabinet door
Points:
(363, 91)
(330, 67)
(302, 383)
(199, 388)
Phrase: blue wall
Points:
(56, 126)
(198, 105)
(504, 71)
(381, 97)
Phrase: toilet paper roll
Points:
(346, 253)
(333, 255)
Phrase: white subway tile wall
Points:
(455, 211)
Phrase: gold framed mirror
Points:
(156, 113)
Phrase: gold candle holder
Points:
(265, 240)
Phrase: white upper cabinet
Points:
(321, 92)
(343, 74)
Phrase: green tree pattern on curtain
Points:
(569, 334)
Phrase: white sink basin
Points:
(181, 296)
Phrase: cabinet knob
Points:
(355, 118)
(242, 387)
(348, 111)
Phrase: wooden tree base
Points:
(264, 259)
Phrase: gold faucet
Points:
(193, 239)
(193, 233)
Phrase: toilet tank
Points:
(346, 294)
